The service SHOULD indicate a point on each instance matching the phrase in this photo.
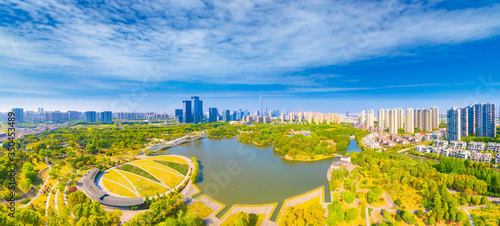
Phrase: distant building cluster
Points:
(397, 118)
(460, 149)
(476, 119)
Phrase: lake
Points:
(237, 173)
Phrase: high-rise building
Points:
(485, 116)
(426, 119)
(40, 110)
(393, 124)
(282, 117)
(178, 116)
(187, 116)
(261, 105)
(454, 128)
(435, 117)
(212, 115)
(361, 118)
(106, 117)
(471, 120)
(476, 119)
(197, 109)
(370, 119)
(399, 117)
(18, 114)
(381, 118)
(409, 121)
(464, 122)
(73, 115)
(387, 118)
(226, 115)
(90, 116)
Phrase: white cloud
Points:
(226, 42)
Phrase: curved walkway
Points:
(48, 198)
(130, 182)
(42, 187)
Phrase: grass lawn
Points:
(170, 179)
(116, 177)
(181, 168)
(153, 164)
(144, 187)
(169, 159)
(117, 188)
(136, 170)
(200, 210)
(255, 219)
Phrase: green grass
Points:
(181, 168)
(138, 171)
(117, 188)
(200, 210)
(169, 178)
(169, 159)
(153, 164)
(144, 187)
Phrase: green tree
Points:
(351, 214)
(348, 196)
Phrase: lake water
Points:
(237, 173)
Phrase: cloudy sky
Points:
(328, 56)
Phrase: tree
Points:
(242, 219)
(348, 196)
(351, 214)
(484, 200)
(431, 221)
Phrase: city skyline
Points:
(128, 62)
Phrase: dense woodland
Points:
(323, 139)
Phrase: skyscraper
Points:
(399, 118)
(261, 105)
(178, 116)
(435, 117)
(454, 128)
(464, 122)
(381, 118)
(90, 116)
(393, 124)
(409, 121)
(361, 118)
(485, 116)
(370, 119)
(387, 118)
(197, 109)
(212, 115)
(470, 121)
(18, 114)
(426, 119)
(226, 115)
(106, 117)
(187, 116)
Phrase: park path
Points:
(42, 187)
(136, 192)
(154, 177)
(48, 197)
(470, 218)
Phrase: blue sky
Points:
(328, 56)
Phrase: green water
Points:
(237, 173)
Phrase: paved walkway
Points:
(48, 197)
(42, 187)
(470, 218)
